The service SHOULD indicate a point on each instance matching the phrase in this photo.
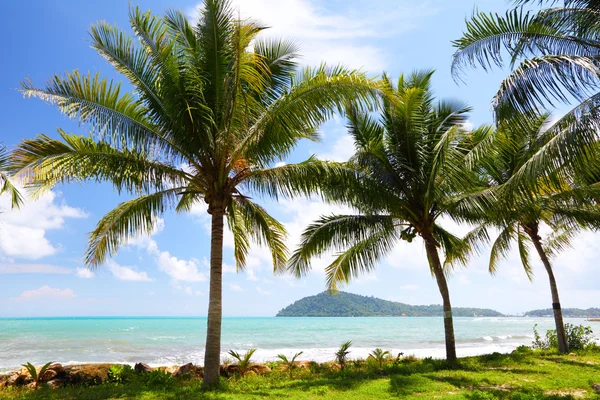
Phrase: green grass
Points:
(520, 376)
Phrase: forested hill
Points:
(345, 304)
(567, 312)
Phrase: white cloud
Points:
(127, 273)
(33, 269)
(179, 270)
(191, 292)
(85, 273)
(235, 288)
(336, 36)
(46, 292)
(341, 150)
(262, 292)
(23, 231)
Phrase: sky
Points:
(43, 244)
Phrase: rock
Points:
(304, 364)
(223, 371)
(231, 370)
(55, 383)
(596, 387)
(54, 371)
(184, 370)
(250, 373)
(31, 385)
(48, 375)
(189, 369)
(259, 369)
(142, 368)
(16, 379)
(171, 370)
(91, 374)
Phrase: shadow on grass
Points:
(408, 385)
(573, 363)
(514, 395)
(462, 382)
(111, 391)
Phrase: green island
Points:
(343, 304)
(567, 312)
(523, 375)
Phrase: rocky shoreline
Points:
(57, 375)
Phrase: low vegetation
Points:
(525, 374)
(243, 360)
(289, 363)
(578, 337)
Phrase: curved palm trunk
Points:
(212, 355)
(438, 271)
(563, 345)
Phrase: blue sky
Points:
(42, 246)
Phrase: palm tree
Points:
(407, 175)
(380, 356)
(289, 363)
(6, 185)
(213, 108)
(243, 360)
(554, 56)
(520, 217)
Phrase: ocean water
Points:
(175, 341)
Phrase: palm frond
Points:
(360, 258)
(114, 117)
(45, 162)
(312, 97)
(520, 33)
(130, 219)
(523, 242)
(253, 221)
(338, 232)
(501, 247)
(6, 186)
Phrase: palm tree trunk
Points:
(212, 355)
(563, 345)
(438, 271)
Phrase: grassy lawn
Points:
(530, 375)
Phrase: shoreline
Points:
(178, 341)
(323, 355)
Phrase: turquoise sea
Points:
(171, 341)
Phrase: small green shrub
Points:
(578, 338)
(120, 373)
(157, 377)
(243, 360)
(523, 349)
(341, 356)
(359, 364)
(380, 356)
(34, 373)
(289, 363)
